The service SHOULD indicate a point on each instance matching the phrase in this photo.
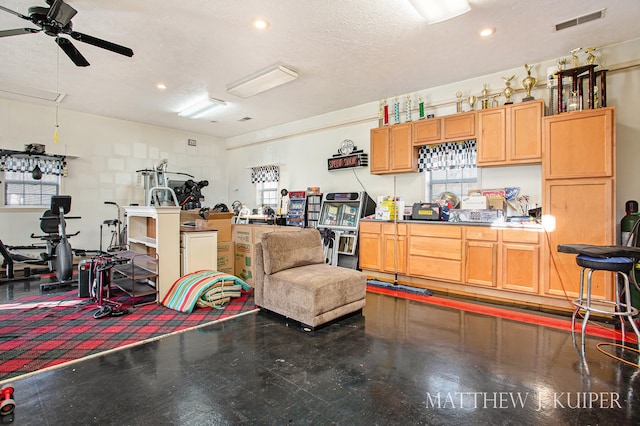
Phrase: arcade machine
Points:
(296, 210)
(340, 216)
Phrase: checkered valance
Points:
(265, 174)
(21, 163)
(449, 155)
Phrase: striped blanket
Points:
(187, 290)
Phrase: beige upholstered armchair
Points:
(293, 280)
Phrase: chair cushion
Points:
(306, 292)
(290, 249)
(615, 264)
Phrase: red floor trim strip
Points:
(592, 330)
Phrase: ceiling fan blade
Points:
(101, 43)
(15, 13)
(18, 31)
(61, 12)
(72, 52)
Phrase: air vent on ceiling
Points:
(245, 119)
(580, 20)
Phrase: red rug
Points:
(40, 332)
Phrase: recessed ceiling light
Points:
(261, 23)
(161, 86)
(486, 32)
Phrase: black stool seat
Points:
(613, 264)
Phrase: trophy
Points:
(528, 83)
(459, 101)
(408, 108)
(421, 107)
(591, 57)
(508, 91)
(575, 61)
(396, 111)
(485, 97)
(472, 101)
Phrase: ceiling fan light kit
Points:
(55, 21)
(263, 80)
(434, 11)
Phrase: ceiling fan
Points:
(56, 21)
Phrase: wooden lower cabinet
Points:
(481, 256)
(369, 246)
(580, 212)
(435, 251)
(394, 248)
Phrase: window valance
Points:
(270, 173)
(448, 155)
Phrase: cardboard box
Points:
(226, 257)
(475, 202)
(220, 222)
(251, 234)
(244, 263)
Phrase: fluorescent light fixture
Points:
(263, 80)
(434, 11)
(201, 108)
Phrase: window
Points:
(448, 167)
(267, 194)
(30, 180)
(266, 180)
(21, 189)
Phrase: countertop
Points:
(510, 225)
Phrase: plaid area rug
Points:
(44, 331)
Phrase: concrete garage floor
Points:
(400, 362)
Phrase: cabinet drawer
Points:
(481, 233)
(441, 248)
(528, 236)
(443, 231)
(370, 227)
(387, 229)
(435, 268)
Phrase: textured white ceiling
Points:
(347, 52)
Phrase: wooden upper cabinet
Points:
(580, 144)
(379, 150)
(510, 134)
(459, 126)
(427, 131)
(404, 157)
(392, 150)
(525, 132)
(492, 143)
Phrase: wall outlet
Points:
(191, 142)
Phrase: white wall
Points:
(108, 152)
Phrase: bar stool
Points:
(622, 266)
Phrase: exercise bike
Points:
(118, 233)
(59, 252)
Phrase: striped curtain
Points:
(265, 174)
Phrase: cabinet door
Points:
(394, 255)
(379, 149)
(200, 251)
(427, 131)
(481, 263)
(369, 251)
(460, 126)
(403, 154)
(525, 133)
(520, 267)
(492, 140)
(579, 144)
(581, 212)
